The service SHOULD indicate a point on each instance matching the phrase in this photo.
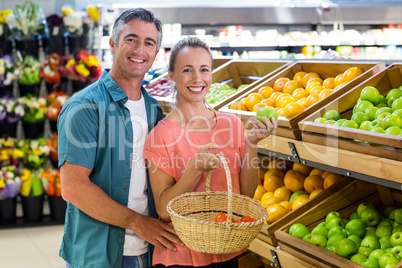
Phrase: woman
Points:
(183, 146)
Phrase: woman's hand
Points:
(205, 161)
(261, 131)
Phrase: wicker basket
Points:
(193, 217)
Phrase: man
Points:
(102, 131)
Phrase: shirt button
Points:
(128, 163)
(124, 99)
(130, 138)
(122, 235)
(65, 156)
(127, 114)
(125, 187)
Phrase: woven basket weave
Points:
(193, 217)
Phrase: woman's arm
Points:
(249, 168)
(164, 186)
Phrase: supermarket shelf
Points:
(370, 168)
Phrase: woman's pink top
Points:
(171, 148)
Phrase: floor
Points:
(33, 247)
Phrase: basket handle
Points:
(229, 184)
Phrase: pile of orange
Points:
(292, 96)
(282, 190)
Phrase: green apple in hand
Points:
(356, 227)
(268, 112)
(345, 248)
(358, 258)
(370, 216)
(396, 239)
(298, 230)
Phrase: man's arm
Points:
(89, 198)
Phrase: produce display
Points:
(372, 112)
(221, 91)
(292, 96)
(160, 88)
(370, 237)
(282, 190)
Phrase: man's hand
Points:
(156, 232)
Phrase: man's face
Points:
(136, 50)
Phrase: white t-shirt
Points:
(137, 197)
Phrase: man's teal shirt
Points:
(95, 131)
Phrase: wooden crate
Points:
(288, 127)
(344, 201)
(267, 232)
(377, 144)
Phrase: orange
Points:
(315, 79)
(326, 92)
(291, 86)
(277, 164)
(313, 98)
(265, 196)
(281, 112)
(253, 99)
(275, 95)
(244, 101)
(331, 179)
(316, 171)
(293, 109)
(312, 85)
(261, 173)
(329, 82)
(258, 106)
(282, 193)
(315, 192)
(325, 174)
(279, 98)
(352, 73)
(272, 182)
(300, 200)
(285, 101)
(317, 89)
(259, 192)
(238, 105)
(269, 102)
(280, 83)
(340, 85)
(275, 212)
(266, 91)
(304, 169)
(299, 76)
(270, 201)
(339, 79)
(299, 94)
(287, 205)
(313, 182)
(274, 171)
(302, 101)
(294, 180)
(308, 76)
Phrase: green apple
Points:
(332, 215)
(364, 251)
(356, 227)
(377, 253)
(364, 125)
(397, 228)
(354, 215)
(321, 230)
(392, 95)
(363, 206)
(370, 94)
(350, 123)
(393, 130)
(331, 248)
(324, 224)
(382, 99)
(397, 112)
(336, 230)
(334, 239)
(398, 215)
(315, 239)
(378, 130)
(388, 258)
(362, 106)
(385, 242)
(370, 112)
(391, 120)
(358, 258)
(320, 120)
(387, 211)
(397, 250)
(397, 104)
(340, 122)
(345, 248)
(295, 195)
(371, 263)
(268, 112)
(330, 122)
(355, 238)
(385, 221)
(371, 242)
(332, 115)
(370, 216)
(359, 117)
(382, 110)
(298, 230)
(381, 105)
(370, 230)
(396, 239)
(383, 230)
(383, 115)
(336, 222)
(375, 123)
(392, 215)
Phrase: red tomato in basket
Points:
(247, 219)
(222, 217)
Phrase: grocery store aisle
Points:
(34, 247)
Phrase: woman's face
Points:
(192, 74)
